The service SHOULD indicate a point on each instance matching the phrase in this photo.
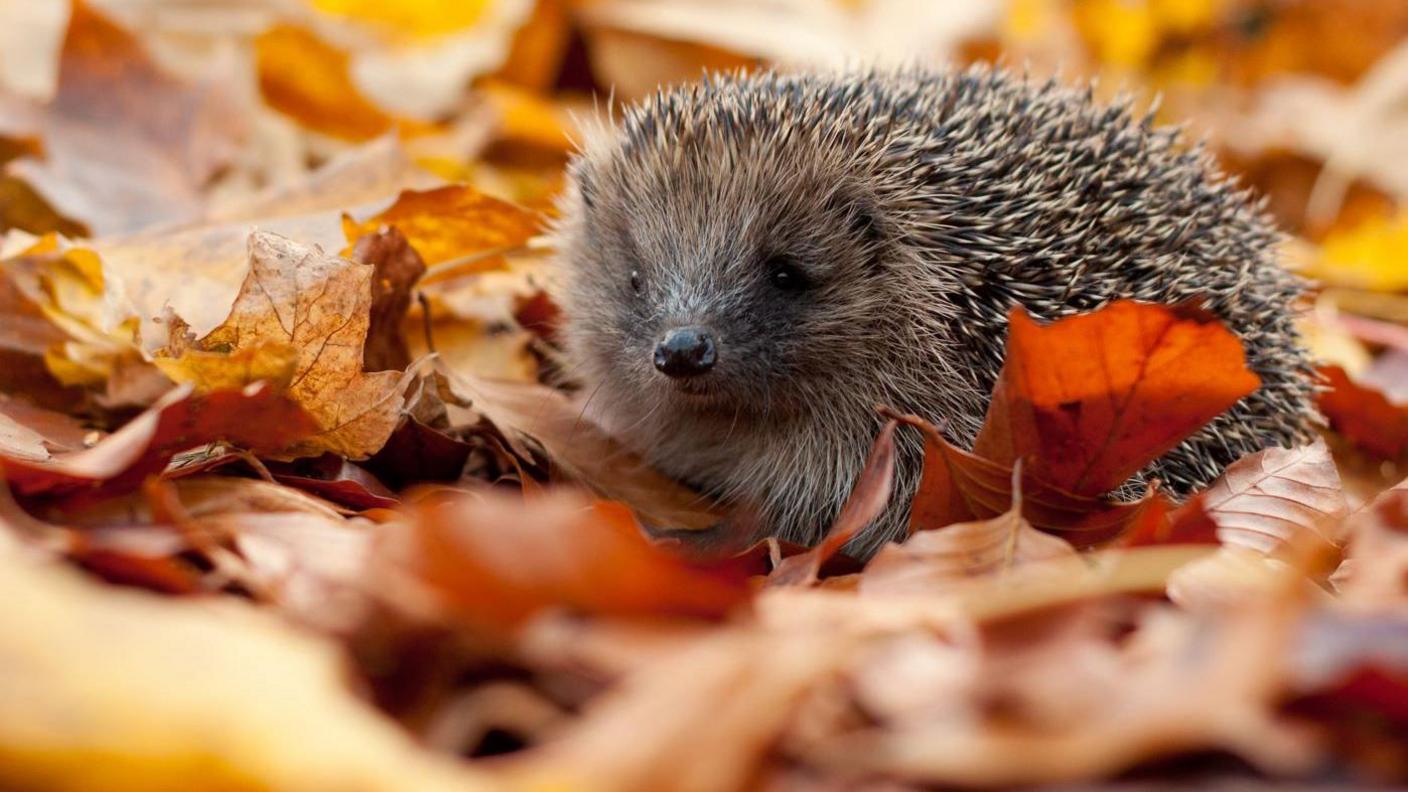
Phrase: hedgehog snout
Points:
(685, 352)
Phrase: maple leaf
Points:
(300, 321)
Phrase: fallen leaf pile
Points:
(296, 497)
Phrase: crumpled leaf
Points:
(1091, 399)
(256, 418)
(300, 321)
(395, 269)
(418, 18)
(185, 696)
(126, 146)
(453, 222)
(495, 561)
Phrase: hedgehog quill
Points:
(755, 261)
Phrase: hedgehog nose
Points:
(685, 352)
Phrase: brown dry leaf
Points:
(187, 695)
(300, 301)
(306, 78)
(395, 269)
(1014, 717)
(255, 418)
(453, 222)
(126, 146)
(580, 450)
(1264, 500)
(930, 561)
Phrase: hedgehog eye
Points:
(785, 275)
(635, 281)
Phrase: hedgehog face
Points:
(702, 290)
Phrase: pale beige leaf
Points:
(1264, 499)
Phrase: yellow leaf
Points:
(120, 690)
(308, 79)
(416, 18)
(451, 223)
(297, 300)
(1372, 255)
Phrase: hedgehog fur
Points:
(855, 239)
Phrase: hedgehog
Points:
(754, 261)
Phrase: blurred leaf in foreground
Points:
(185, 695)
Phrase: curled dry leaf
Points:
(395, 269)
(1364, 415)
(867, 500)
(256, 418)
(930, 561)
(34, 433)
(301, 321)
(126, 145)
(187, 696)
(494, 561)
(1091, 399)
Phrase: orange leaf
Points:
(450, 223)
(957, 486)
(254, 418)
(308, 79)
(1090, 400)
(1364, 415)
(495, 561)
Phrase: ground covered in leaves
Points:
(297, 500)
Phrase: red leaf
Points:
(1090, 400)
(254, 418)
(1364, 415)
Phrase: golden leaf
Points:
(315, 308)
